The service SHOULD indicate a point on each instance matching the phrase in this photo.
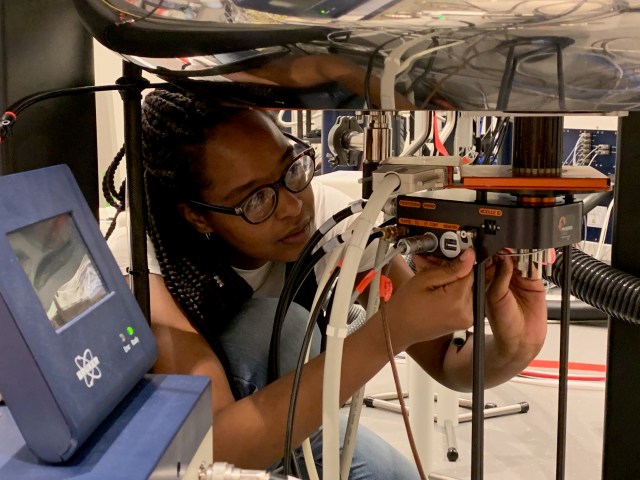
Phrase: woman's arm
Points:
(249, 433)
(312, 70)
(516, 310)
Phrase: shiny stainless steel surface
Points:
(476, 55)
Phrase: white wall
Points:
(109, 112)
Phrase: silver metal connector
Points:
(426, 243)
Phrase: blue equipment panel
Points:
(74, 341)
(153, 433)
(596, 148)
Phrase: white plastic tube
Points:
(350, 436)
(449, 124)
(422, 121)
(337, 328)
(334, 257)
(394, 66)
(603, 230)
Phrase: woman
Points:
(219, 268)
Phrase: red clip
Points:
(364, 283)
(386, 288)
(440, 148)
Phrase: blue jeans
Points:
(246, 343)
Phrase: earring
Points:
(208, 236)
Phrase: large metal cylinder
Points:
(377, 138)
(377, 147)
(537, 147)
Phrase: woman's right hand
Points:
(437, 301)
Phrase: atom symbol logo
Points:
(88, 369)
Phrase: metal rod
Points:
(131, 99)
(391, 406)
(562, 104)
(477, 410)
(452, 445)
(522, 407)
(462, 402)
(564, 363)
(507, 80)
(299, 123)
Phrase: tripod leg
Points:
(452, 446)
(447, 408)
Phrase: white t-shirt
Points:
(268, 280)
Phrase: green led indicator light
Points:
(323, 11)
(130, 330)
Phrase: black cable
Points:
(592, 200)
(287, 294)
(258, 59)
(427, 68)
(606, 288)
(367, 77)
(295, 388)
(11, 113)
(133, 16)
(254, 61)
(498, 138)
(322, 300)
(550, 45)
(284, 302)
(146, 16)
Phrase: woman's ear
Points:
(194, 217)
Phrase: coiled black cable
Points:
(604, 287)
(303, 265)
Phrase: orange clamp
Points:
(386, 288)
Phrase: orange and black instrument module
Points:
(528, 206)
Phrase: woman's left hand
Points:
(516, 309)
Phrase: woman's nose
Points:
(289, 204)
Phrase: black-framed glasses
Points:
(260, 204)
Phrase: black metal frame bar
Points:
(477, 406)
(622, 416)
(136, 202)
(565, 319)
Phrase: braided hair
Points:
(115, 197)
(175, 126)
